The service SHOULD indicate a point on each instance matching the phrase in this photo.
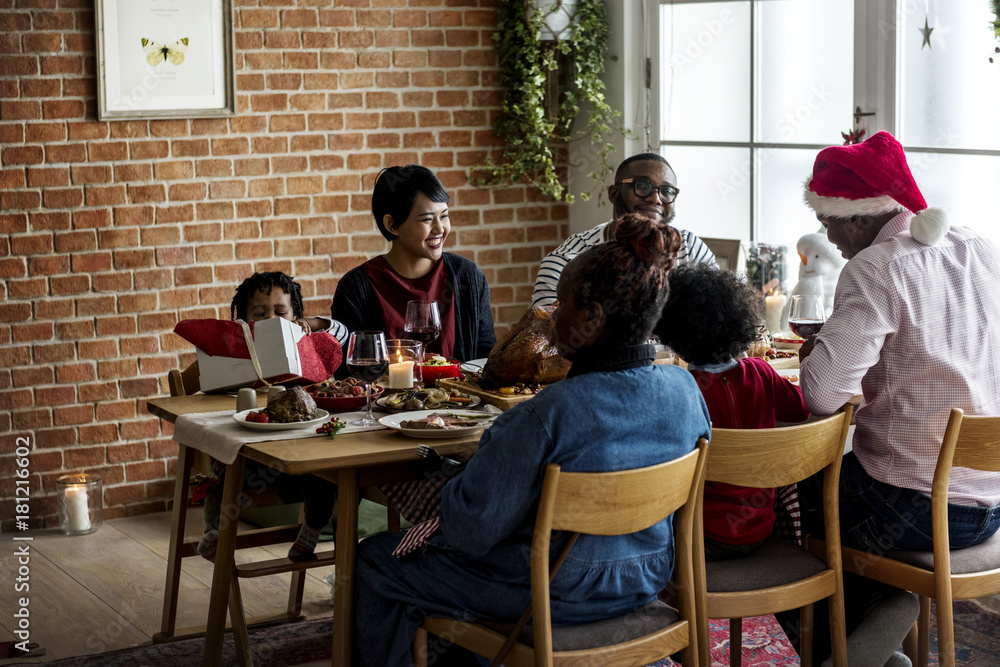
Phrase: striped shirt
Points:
(914, 328)
(692, 251)
(336, 329)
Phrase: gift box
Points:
(284, 353)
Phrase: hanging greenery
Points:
(995, 23)
(532, 123)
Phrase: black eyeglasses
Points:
(643, 187)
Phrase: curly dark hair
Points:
(711, 315)
(396, 189)
(265, 282)
(628, 276)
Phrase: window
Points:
(746, 92)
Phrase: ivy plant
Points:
(531, 125)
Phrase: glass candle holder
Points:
(80, 498)
(405, 356)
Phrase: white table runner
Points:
(216, 434)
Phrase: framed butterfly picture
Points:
(165, 59)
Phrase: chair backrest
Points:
(769, 457)
(726, 251)
(185, 382)
(969, 442)
(615, 503)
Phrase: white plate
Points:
(394, 421)
(790, 372)
(381, 402)
(241, 419)
(473, 366)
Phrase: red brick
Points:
(97, 434)
(148, 150)
(66, 153)
(169, 128)
(105, 196)
(117, 411)
(41, 88)
(108, 151)
(20, 200)
(86, 131)
(20, 110)
(147, 469)
(91, 218)
(252, 167)
(81, 174)
(115, 326)
(75, 373)
(233, 146)
(153, 279)
(174, 256)
(34, 244)
(54, 352)
(286, 164)
(212, 168)
(51, 265)
(171, 214)
(160, 235)
(123, 453)
(129, 129)
(28, 289)
(17, 65)
(141, 346)
(187, 191)
(85, 457)
(127, 216)
(209, 126)
(119, 368)
(98, 305)
(65, 285)
(174, 170)
(15, 312)
(382, 60)
(33, 420)
(28, 377)
(62, 109)
(112, 281)
(50, 396)
(22, 155)
(63, 197)
(189, 148)
(138, 194)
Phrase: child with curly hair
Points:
(260, 297)
(710, 320)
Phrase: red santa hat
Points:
(871, 178)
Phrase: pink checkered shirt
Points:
(916, 329)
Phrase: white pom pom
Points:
(929, 226)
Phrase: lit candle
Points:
(774, 305)
(77, 512)
(401, 374)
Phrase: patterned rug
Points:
(977, 638)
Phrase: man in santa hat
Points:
(914, 330)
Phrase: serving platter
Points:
(394, 422)
(502, 401)
(241, 419)
(383, 403)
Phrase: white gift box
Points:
(275, 343)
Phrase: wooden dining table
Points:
(353, 461)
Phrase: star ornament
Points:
(926, 32)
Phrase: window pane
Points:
(783, 216)
(705, 73)
(963, 185)
(715, 192)
(806, 70)
(949, 90)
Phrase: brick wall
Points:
(114, 231)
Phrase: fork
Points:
(446, 465)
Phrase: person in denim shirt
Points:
(615, 411)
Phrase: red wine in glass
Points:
(367, 359)
(805, 328)
(425, 336)
(422, 321)
(367, 371)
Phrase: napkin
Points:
(417, 536)
(216, 434)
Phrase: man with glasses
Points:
(644, 184)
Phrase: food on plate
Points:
(348, 388)
(526, 355)
(425, 399)
(291, 405)
(791, 378)
(441, 420)
(437, 360)
(259, 417)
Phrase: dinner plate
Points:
(241, 419)
(394, 421)
(789, 373)
(382, 403)
(472, 366)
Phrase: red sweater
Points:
(751, 395)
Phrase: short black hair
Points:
(641, 157)
(711, 316)
(265, 282)
(396, 189)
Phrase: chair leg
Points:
(924, 632)
(735, 642)
(911, 643)
(185, 460)
(420, 648)
(806, 621)
(239, 622)
(946, 630)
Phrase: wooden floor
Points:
(104, 591)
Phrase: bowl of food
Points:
(436, 368)
(786, 340)
(341, 395)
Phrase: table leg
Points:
(225, 568)
(347, 544)
(185, 457)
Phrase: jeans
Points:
(877, 517)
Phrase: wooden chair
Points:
(612, 503)
(944, 575)
(781, 575)
(183, 383)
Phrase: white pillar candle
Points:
(401, 375)
(774, 305)
(77, 512)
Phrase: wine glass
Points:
(422, 322)
(806, 315)
(367, 359)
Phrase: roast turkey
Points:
(526, 355)
(291, 405)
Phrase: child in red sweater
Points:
(710, 320)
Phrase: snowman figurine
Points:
(819, 271)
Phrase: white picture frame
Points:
(165, 59)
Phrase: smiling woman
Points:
(410, 207)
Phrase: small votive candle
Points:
(80, 503)
(401, 375)
(404, 355)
